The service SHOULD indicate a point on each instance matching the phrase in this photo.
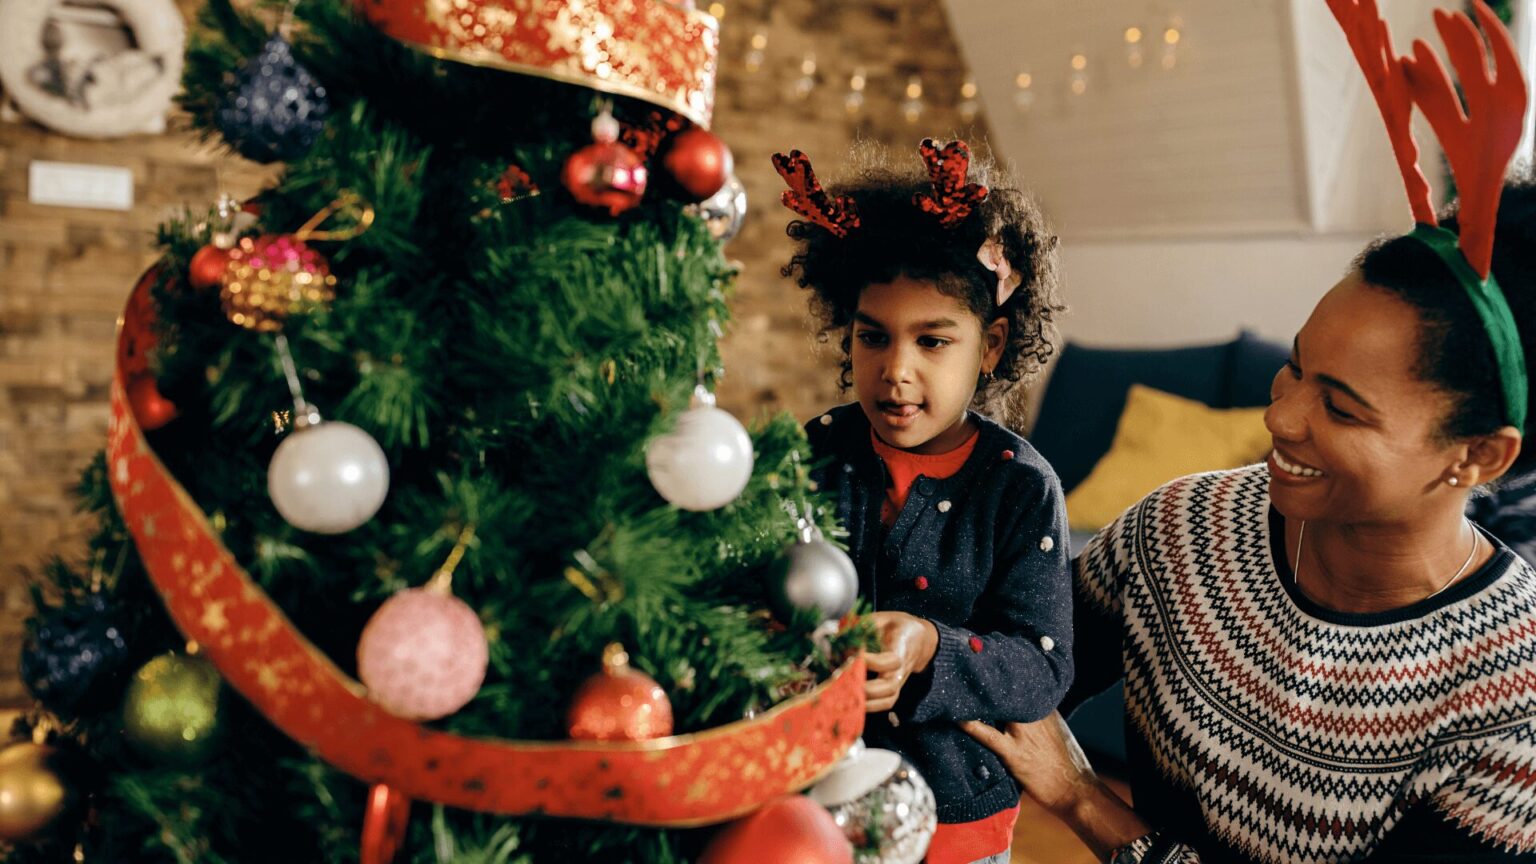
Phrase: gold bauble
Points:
(171, 711)
(38, 785)
(271, 277)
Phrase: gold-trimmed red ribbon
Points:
(696, 779)
(661, 52)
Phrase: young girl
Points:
(945, 292)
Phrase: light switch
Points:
(71, 184)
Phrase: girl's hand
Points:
(909, 643)
(1043, 756)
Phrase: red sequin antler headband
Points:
(1479, 141)
(953, 198)
(806, 197)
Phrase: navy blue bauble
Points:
(70, 651)
(277, 108)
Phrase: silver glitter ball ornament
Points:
(724, 211)
(884, 806)
(812, 574)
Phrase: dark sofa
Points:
(1083, 401)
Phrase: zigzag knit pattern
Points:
(1303, 739)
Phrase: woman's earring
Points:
(1453, 480)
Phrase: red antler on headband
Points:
(806, 197)
(1372, 43)
(952, 199)
(1480, 141)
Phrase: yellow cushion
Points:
(1162, 437)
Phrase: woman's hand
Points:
(1043, 756)
(1047, 761)
(908, 644)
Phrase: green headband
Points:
(1493, 309)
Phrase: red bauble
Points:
(384, 824)
(139, 337)
(619, 704)
(697, 164)
(207, 266)
(791, 830)
(149, 408)
(606, 175)
(514, 184)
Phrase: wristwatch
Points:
(1134, 852)
(1152, 849)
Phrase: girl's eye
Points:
(932, 341)
(1295, 370)
(1334, 411)
(870, 338)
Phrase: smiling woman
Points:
(1323, 659)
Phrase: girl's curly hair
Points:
(895, 238)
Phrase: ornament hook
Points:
(347, 202)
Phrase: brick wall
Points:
(64, 273)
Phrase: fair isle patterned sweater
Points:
(1265, 728)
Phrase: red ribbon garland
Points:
(684, 780)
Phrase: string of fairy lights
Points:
(1156, 47)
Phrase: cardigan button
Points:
(1047, 544)
(921, 583)
(944, 506)
(976, 644)
(925, 485)
(847, 467)
(983, 772)
(1007, 455)
(1047, 643)
(826, 419)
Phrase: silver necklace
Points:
(1301, 534)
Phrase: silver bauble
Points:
(884, 806)
(812, 574)
(328, 477)
(705, 461)
(724, 211)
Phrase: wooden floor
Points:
(1040, 838)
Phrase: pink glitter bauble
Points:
(423, 654)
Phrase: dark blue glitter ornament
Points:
(277, 108)
(69, 652)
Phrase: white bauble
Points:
(705, 462)
(328, 478)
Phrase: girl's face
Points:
(917, 354)
(1355, 429)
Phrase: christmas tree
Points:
(431, 413)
